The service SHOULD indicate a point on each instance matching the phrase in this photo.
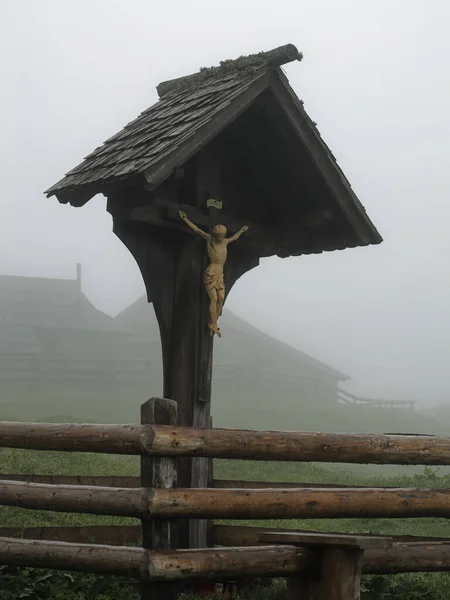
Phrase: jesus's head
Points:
(219, 232)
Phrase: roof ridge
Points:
(242, 66)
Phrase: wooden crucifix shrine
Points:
(238, 135)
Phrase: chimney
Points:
(79, 276)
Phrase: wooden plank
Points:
(354, 541)
(158, 472)
(244, 535)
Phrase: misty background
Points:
(375, 79)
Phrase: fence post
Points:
(158, 472)
(210, 524)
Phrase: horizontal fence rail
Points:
(147, 565)
(214, 564)
(134, 482)
(228, 443)
(157, 503)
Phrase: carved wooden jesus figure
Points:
(217, 252)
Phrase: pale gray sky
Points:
(375, 77)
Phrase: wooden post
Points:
(339, 577)
(340, 574)
(210, 522)
(172, 261)
(158, 472)
(341, 561)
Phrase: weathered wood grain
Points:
(301, 503)
(216, 564)
(228, 443)
(158, 472)
(245, 535)
(80, 499)
(340, 574)
(336, 540)
(185, 503)
(156, 566)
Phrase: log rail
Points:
(173, 441)
(216, 564)
(176, 503)
(151, 498)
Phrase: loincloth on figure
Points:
(213, 278)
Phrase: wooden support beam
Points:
(341, 562)
(340, 574)
(163, 212)
(158, 472)
(172, 263)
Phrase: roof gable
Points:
(139, 317)
(41, 302)
(245, 99)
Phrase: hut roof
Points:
(243, 345)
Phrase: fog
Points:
(374, 77)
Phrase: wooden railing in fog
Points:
(154, 500)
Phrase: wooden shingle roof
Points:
(194, 110)
(145, 143)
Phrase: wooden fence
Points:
(308, 559)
